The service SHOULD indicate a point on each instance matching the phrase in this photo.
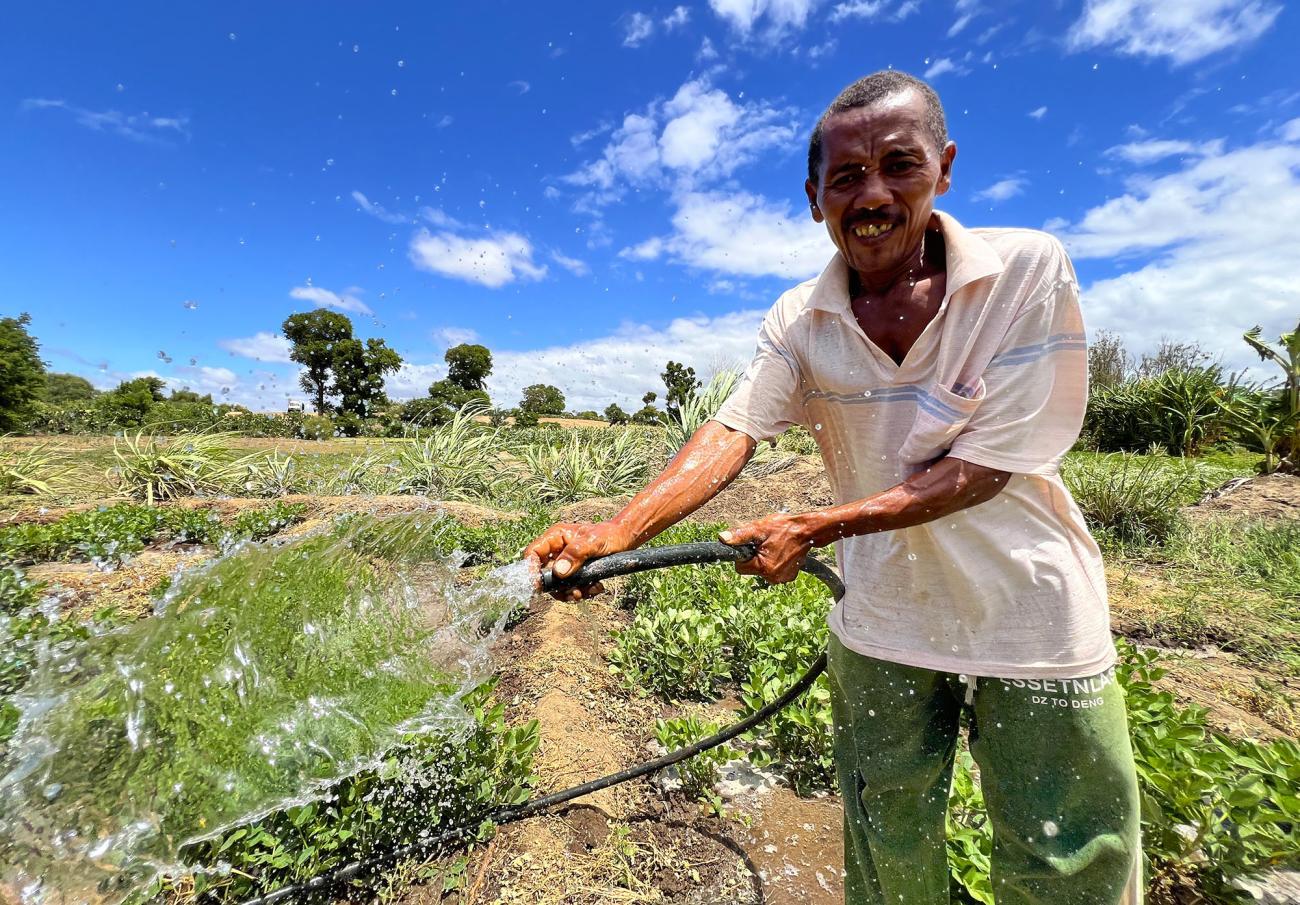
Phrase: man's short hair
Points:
(865, 92)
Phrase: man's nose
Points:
(872, 191)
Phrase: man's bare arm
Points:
(947, 486)
(708, 462)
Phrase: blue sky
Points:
(592, 189)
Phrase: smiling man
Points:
(943, 373)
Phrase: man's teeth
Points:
(871, 230)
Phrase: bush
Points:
(37, 471)
(153, 469)
(1180, 409)
(674, 652)
(590, 463)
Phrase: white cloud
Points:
(142, 127)
(698, 135)
(378, 211)
(1037, 112)
(738, 233)
(1290, 130)
(707, 51)
(1002, 189)
(492, 260)
(1184, 31)
(345, 301)
(942, 66)
(859, 9)
(520, 85)
(1220, 259)
(958, 25)
(618, 368)
(575, 266)
(1141, 152)
(677, 18)
(454, 336)
(636, 29)
(261, 346)
(778, 15)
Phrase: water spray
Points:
(611, 566)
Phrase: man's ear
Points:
(946, 157)
(811, 190)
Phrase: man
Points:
(943, 374)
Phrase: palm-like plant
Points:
(1271, 418)
(607, 463)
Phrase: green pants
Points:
(1055, 767)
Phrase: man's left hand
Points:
(783, 542)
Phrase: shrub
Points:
(270, 475)
(800, 736)
(1181, 409)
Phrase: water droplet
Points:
(401, 64)
(393, 92)
(1050, 829)
(190, 304)
(954, 648)
(232, 36)
(912, 557)
(817, 427)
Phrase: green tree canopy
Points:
(615, 414)
(188, 395)
(60, 389)
(314, 335)
(129, 402)
(681, 383)
(542, 399)
(22, 373)
(468, 366)
(338, 364)
(649, 398)
(647, 415)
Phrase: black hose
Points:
(616, 564)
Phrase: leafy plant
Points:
(969, 835)
(36, 471)
(1274, 420)
(153, 469)
(676, 652)
(454, 461)
(271, 475)
(800, 737)
(697, 774)
(605, 463)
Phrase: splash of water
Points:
(263, 679)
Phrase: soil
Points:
(1266, 496)
(799, 487)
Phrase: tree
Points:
(615, 415)
(186, 395)
(468, 366)
(359, 371)
(542, 399)
(337, 364)
(314, 335)
(647, 415)
(22, 373)
(1108, 363)
(681, 383)
(129, 402)
(60, 389)
(444, 400)
(649, 398)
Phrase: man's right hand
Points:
(565, 547)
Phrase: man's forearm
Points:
(942, 489)
(708, 462)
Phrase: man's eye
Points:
(901, 166)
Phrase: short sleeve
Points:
(1035, 386)
(766, 400)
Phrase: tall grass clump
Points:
(1180, 409)
(1264, 554)
(37, 471)
(152, 468)
(459, 460)
(266, 679)
(602, 463)
(1128, 501)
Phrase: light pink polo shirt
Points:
(1013, 587)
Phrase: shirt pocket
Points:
(941, 415)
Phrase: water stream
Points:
(264, 678)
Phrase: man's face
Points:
(879, 177)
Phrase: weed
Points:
(271, 475)
(1127, 501)
(454, 461)
(609, 464)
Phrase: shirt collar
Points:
(967, 257)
